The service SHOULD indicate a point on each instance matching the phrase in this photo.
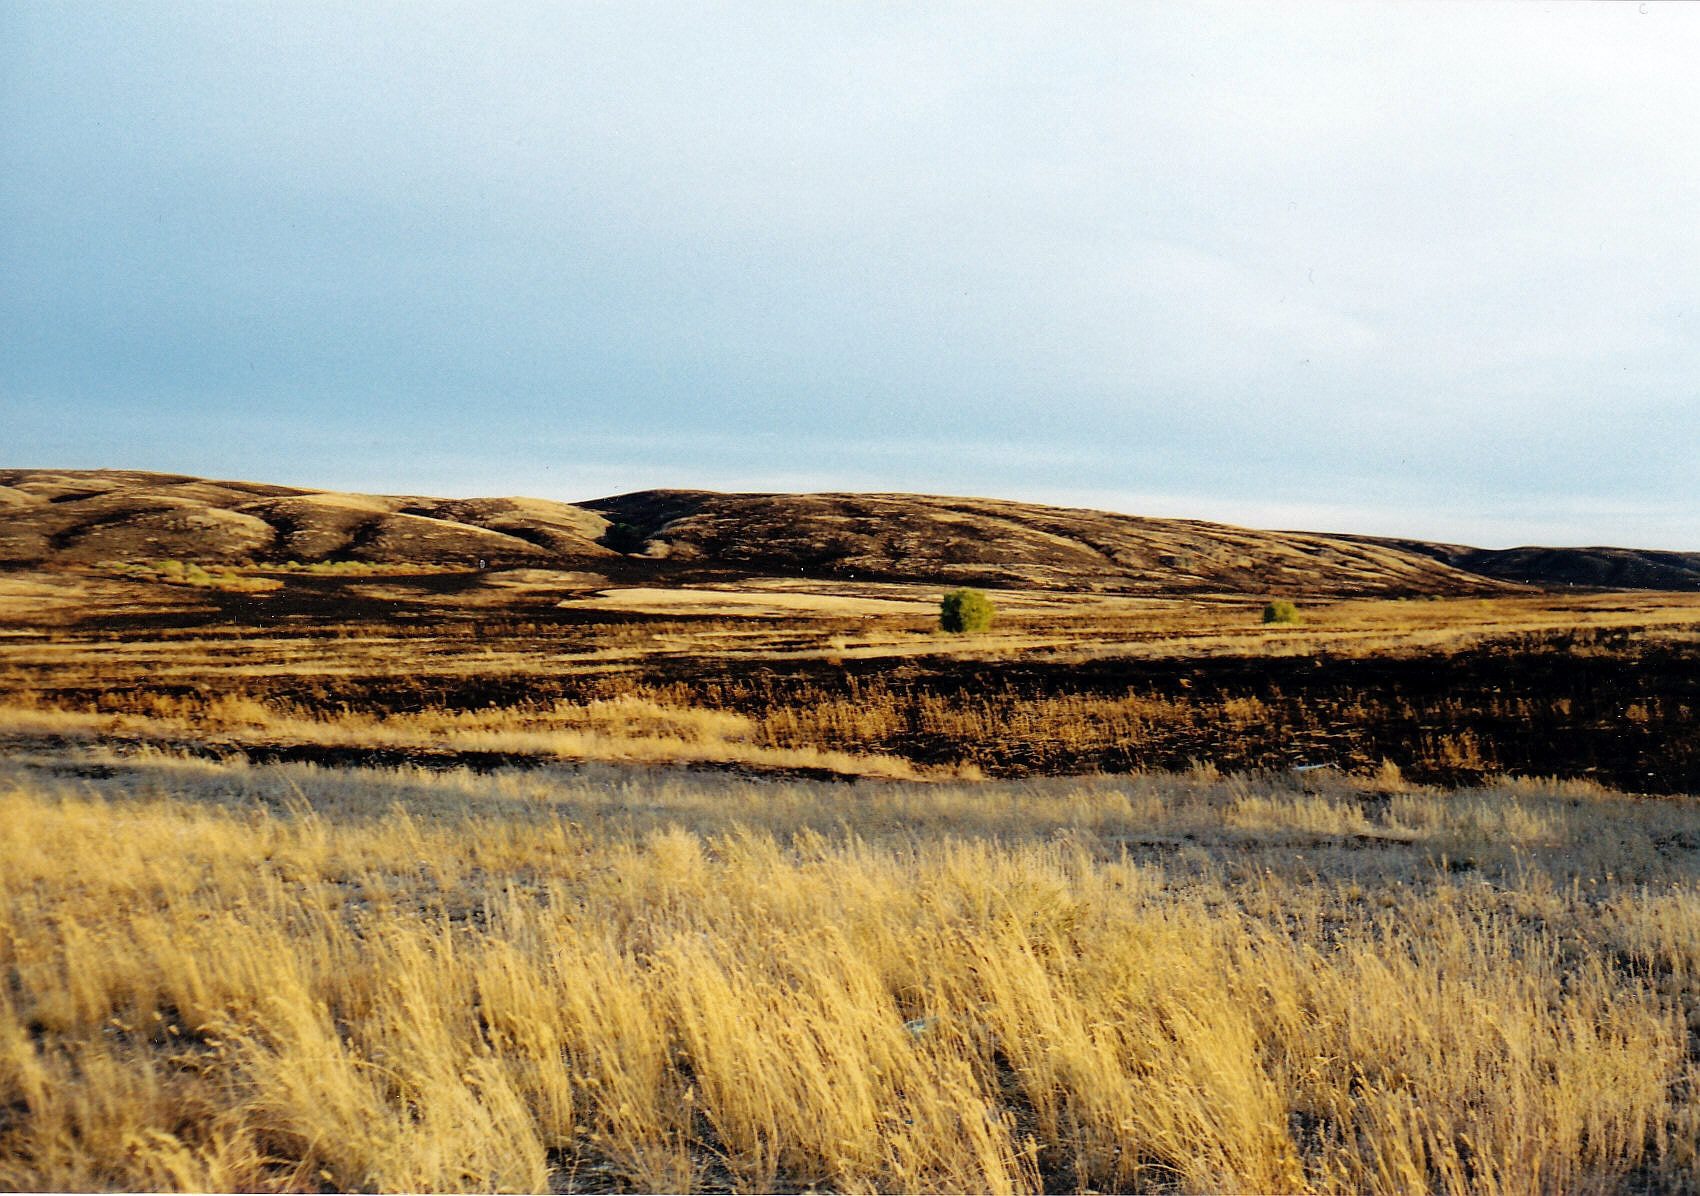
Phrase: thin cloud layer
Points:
(1416, 269)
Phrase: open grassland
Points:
(358, 843)
(854, 679)
(219, 974)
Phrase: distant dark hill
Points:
(50, 517)
(1598, 568)
(990, 542)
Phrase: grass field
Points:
(378, 879)
(853, 679)
(287, 977)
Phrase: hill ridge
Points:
(69, 517)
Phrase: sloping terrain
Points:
(79, 517)
(83, 517)
(1596, 568)
(991, 542)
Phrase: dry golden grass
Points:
(218, 975)
(627, 727)
(880, 695)
(849, 620)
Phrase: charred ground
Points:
(798, 632)
(334, 668)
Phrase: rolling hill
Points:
(989, 542)
(70, 517)
(1593, 568)
(62, 517)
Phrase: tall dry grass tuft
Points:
(283, 978)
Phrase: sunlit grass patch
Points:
(288, 977)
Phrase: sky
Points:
(1422, 269)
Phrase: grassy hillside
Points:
(1596, 568)
(68, 517)
(71, 517)
(987, 542)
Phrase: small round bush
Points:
(1280, 611)
(965, 610)
(624, 538)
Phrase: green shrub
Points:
(624, 538)
(1280, 611)
(965, 610)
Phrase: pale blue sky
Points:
(1425, 269)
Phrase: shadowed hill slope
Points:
(996, 543)
(1598, 568)
(82, 517)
